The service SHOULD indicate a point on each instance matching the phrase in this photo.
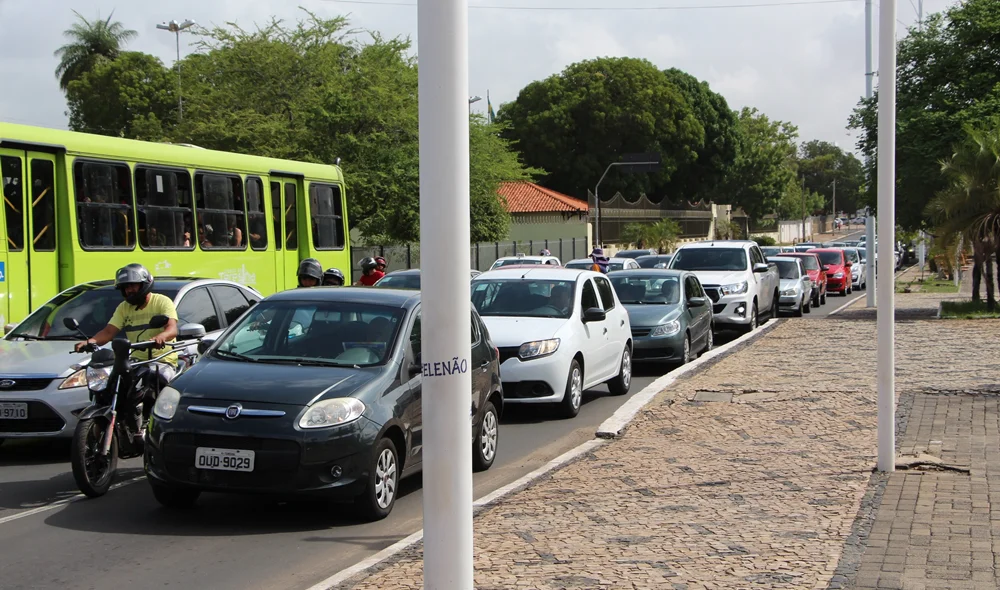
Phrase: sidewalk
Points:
(756, 472)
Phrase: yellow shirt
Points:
(136, 324)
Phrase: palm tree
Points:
(90, 42)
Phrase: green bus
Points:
(77, 206)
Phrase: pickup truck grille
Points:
(714, 292)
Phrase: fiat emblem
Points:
(233, 411)
(7, 384)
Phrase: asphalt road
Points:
(51, 540)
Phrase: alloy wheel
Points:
(488, 439)
(385, 478)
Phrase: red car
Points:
(814, 268)
(838, 269)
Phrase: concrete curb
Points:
(615, 426)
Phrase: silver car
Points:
(43, 384)
(796, 287)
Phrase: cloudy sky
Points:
(802, 62)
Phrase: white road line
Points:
(63, 502)
(844, 306)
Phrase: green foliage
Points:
(820, 163)
(574, 124)
(726, 229)
(91, 42)
(661, 235)
(765, 163)
(130, 96)
(792, 205)
(967, 310)
(764, 240)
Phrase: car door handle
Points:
(622, 324)
(605, 330)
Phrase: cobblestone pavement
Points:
(758, 488)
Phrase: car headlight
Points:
(839, 275)
(332, 412)
(735, 288)
(790, 292)
(668, 329)
(537, 348)
(97, 378)
(78, 379)
(166, 403)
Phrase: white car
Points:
(613, 264)
(522, 259)
(858, 274)
(559, 332)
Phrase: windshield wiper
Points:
(28, 337)
(303, 362)
(236, 355)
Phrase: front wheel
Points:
(573, 396)
(171, 497)
(753, 319)
(806, 306)
(620, 384)
(377, 500)
(92, 471)
(484, 447)
(709, 340)
(822, 298)
(800, 309)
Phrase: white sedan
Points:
(559, 332)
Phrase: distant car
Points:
(770, 251)
(521, 259)
(796, 288)
(559, 331)
(43, 385)
(858, 279)
(613, 264)
(817, 275)
(408, 279)
(654, 261)
(670, 315)
(851, 243)
(636, 253)
(839, 272)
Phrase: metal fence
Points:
(481, 255)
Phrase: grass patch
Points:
(930, 284)
(967, 310)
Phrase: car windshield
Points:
(863, 253)
(649, 289)
(787, 269)
(513, 261)
(333, 333)
(830, 257)
(400, 281)
(90, 305)
(616, 266)
(852, 255)
(536, 298)
(809, 262)
(770, 250)
(710, 259)
(653, 261)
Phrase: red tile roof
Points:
(528, 197)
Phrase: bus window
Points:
(221, 214)
(257, 219)
(327, 218)
(163, 201)
(10, 170)
(104, 205)
(276, 213)
(43, 205)
(291, 237)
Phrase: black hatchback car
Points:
(313, 392)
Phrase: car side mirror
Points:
(594, 314)
(71, 324)
(191, 331)
(204, 344)
(760, 267)
(416, 366)
(696, 301)
(826, 268)
(158, 321)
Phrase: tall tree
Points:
(575, 123)
(765, 163)
(821, 163)
(90, 43)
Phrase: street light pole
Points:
(176, 28)
(598, 243)
(871, 288)
(473, 99)
(835, 205)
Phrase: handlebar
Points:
(145, 345)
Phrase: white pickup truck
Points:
(736, 276)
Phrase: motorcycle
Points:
(104, 434)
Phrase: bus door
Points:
(29, 271)
(291, 193)
(277, 217)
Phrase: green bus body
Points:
(76, 207)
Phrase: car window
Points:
(646, 288)
(475, 331)
(829, 258)
(196, 307)
(607, 293)
(788, 269)
(589, 296)
(232, 301)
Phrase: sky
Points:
(802, 63)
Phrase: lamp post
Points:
(473, 99)
(176, 28)
(632, 163)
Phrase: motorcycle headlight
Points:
(97, 378)
(332, 412)
(78, 379)
(668, 329)
(735, 288)
(538, 348)
(166, 403)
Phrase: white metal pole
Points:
(870, 287)
(869, 62)
(886, 229)
(869, 91)
(443, 53)
(920, 15)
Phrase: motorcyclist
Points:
(133, 316)
(310, 273)
(381, 264)
(333, 278)
(370, 274)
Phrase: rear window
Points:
(514, 261)
(809, 263)
(787, 269)
(400, 281)
(830, 257)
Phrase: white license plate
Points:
(13, 411)
(223, 459)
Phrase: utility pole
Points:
(920, 15)
(176, 28)
(835, 205)
(869, 91)
(803, 208)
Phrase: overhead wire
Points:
(612, 8)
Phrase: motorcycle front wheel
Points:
(92, 471)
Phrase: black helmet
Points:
(310, 267)
(368, 264)
(333, 277)
(134, 273)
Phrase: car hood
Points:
(720, 277)
(790, 283)
(511, 331)
(814, 275)
(835, 268)
(39, 358)
(270, 383)
(651, 314)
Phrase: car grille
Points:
(718, 308)
(41, 418)
(508, 352)
(526, 390)
(276, 462)
(25, 384)
(638, 332)
(652, 353)
(713, 292)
